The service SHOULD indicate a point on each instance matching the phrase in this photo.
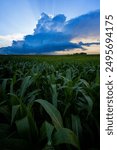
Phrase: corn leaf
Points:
(25, 84)
(15, 109)
(65, 136)
(46, 130)
(23, 127)
(52, 112)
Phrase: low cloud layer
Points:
(56, 34)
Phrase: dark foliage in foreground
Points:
(47, 106)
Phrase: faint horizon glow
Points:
(85, 39)
(94, 49)
(6, 40)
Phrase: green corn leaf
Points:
(69, 74)
(54, 94)
(65, 136)
(14, 100)
(32, 123)
(85, 83)
(25, 84)
(46, 130)
(90, 103)
(15, 109)
(52, 112)
(66, 108)
(76, 124)
(23, 127)
(4, 84)
(97, 79)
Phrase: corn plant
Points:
(49, 102)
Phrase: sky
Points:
(19, 18)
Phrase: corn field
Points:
(49, 103)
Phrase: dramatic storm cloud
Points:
(46, 23)
(58, 34)
(84, 26)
